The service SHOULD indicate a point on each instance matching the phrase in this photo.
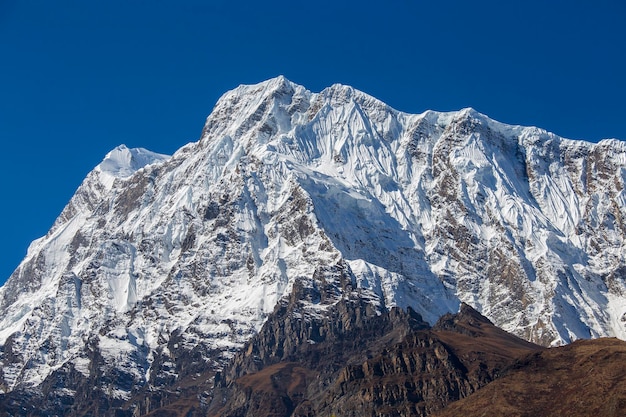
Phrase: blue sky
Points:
(78, 78)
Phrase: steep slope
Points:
(161, 268)
(585, 378)
(395, 365)
(388, 364)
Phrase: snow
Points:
(123, 162)
(284, 183)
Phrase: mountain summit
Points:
(162, 267)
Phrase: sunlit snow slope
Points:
(422, 210)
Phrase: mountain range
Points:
(311, 238)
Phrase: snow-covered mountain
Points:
(157, 259)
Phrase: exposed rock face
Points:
(462, 366)
(161, 269)
(370, 364)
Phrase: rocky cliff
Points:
(366, 364)
(161, 269)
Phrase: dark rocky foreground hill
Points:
(360, 364)
(585, 378)
(394, 364)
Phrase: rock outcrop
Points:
(320, 218)
(362, 362)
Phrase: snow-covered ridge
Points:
(158, 255)
(123, 162)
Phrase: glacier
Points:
(158, 256)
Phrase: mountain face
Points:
(292, 206)
(391, 364)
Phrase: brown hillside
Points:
(585, 378)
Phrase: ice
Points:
(424, 210)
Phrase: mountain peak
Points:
(269, 87)
(122, 162)
(305, 199)
(470, 112)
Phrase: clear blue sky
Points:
(78, 78)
